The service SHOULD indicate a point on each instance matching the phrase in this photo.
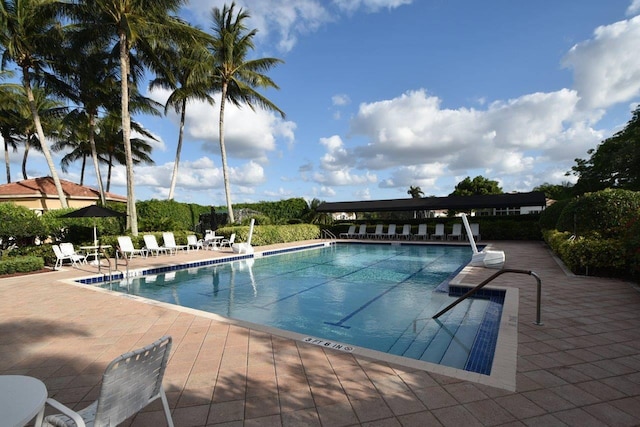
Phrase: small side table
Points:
(21, 399)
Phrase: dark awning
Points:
(534, 198)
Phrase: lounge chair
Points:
(406, 232)
(475, 231)
(362, 232)
(60, 257)
(152, 245)
(170, 242)
(228, 242)
(391, 231)
(194, 243)
(130, 382)
(126, 247)
(377, 234)
(456, 232)
(349, 233)
(439, 233)
(422, 232)
(69, 251)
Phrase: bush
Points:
(22, 264)
(271, 234)
(605, 211)
(19, 225)
(549, 217)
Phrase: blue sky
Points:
(380, 95)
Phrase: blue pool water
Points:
(376, 296)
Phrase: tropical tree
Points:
(186, 76)
(9, 98)
(29, 29)
(476, 186)
(139, 27)
(235, 76)
(615, 163)
(415, 192)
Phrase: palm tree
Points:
(28, 30)
(9, 94)
(236, 77)
(415, 192)
(186, 76)
(139, 26)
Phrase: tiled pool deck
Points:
(581, 368)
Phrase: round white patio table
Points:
(21, 399)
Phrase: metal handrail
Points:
(327, 232)
(108, 261)
(481, 285)
(126, 261)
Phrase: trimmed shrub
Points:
(21, 264)
(271, 234)
(19, 225)
(607, 212)
(549, 217)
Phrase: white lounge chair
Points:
(475, 231)
(194, 243)
(170, 242)
(69, 251)
(362, 232)
(439, 233)
(406, 232)
(349, 233)
(60, 257)
(422, 232)
(456, 232)
(130, 382)
(151, 245)
(377, 234)
(126, 247)
(228, 242)
(391, 231)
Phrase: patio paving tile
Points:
(581, 368)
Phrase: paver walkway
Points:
(581, 368)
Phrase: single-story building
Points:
(490, 204)
(40, 194)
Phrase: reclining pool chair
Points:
(349, 233)
(152, 245)
(169, 241)
(131, 382)
(439, 233)
(456, 232)
(126, 247)
(422, 232)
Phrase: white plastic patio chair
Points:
(391, 231)
(456, 232)
(475, 231)
(130, 382)
(69, 251)
(349, 233)
(170, 242)
(151, 245)
(60, 257)
(377, 234)
(228, 242)
(126, 247)
(194, 243)
(362, 232)
(406, 232)
(439, 233)
(422, 232)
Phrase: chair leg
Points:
(165, 405)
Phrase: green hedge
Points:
(271, 234)
(22, 264)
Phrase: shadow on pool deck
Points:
(582, 367)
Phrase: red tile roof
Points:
(39, 187)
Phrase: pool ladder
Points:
(327, 234)
(485, 282)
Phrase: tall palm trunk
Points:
(223, 154)
(7, 164)
(27, 146)
(109, 166)
(94, 156)
(132, 219)
(83, 168)
(45, 148)
(174, 177)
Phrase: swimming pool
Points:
(375, 296)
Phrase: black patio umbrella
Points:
(93, 211)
